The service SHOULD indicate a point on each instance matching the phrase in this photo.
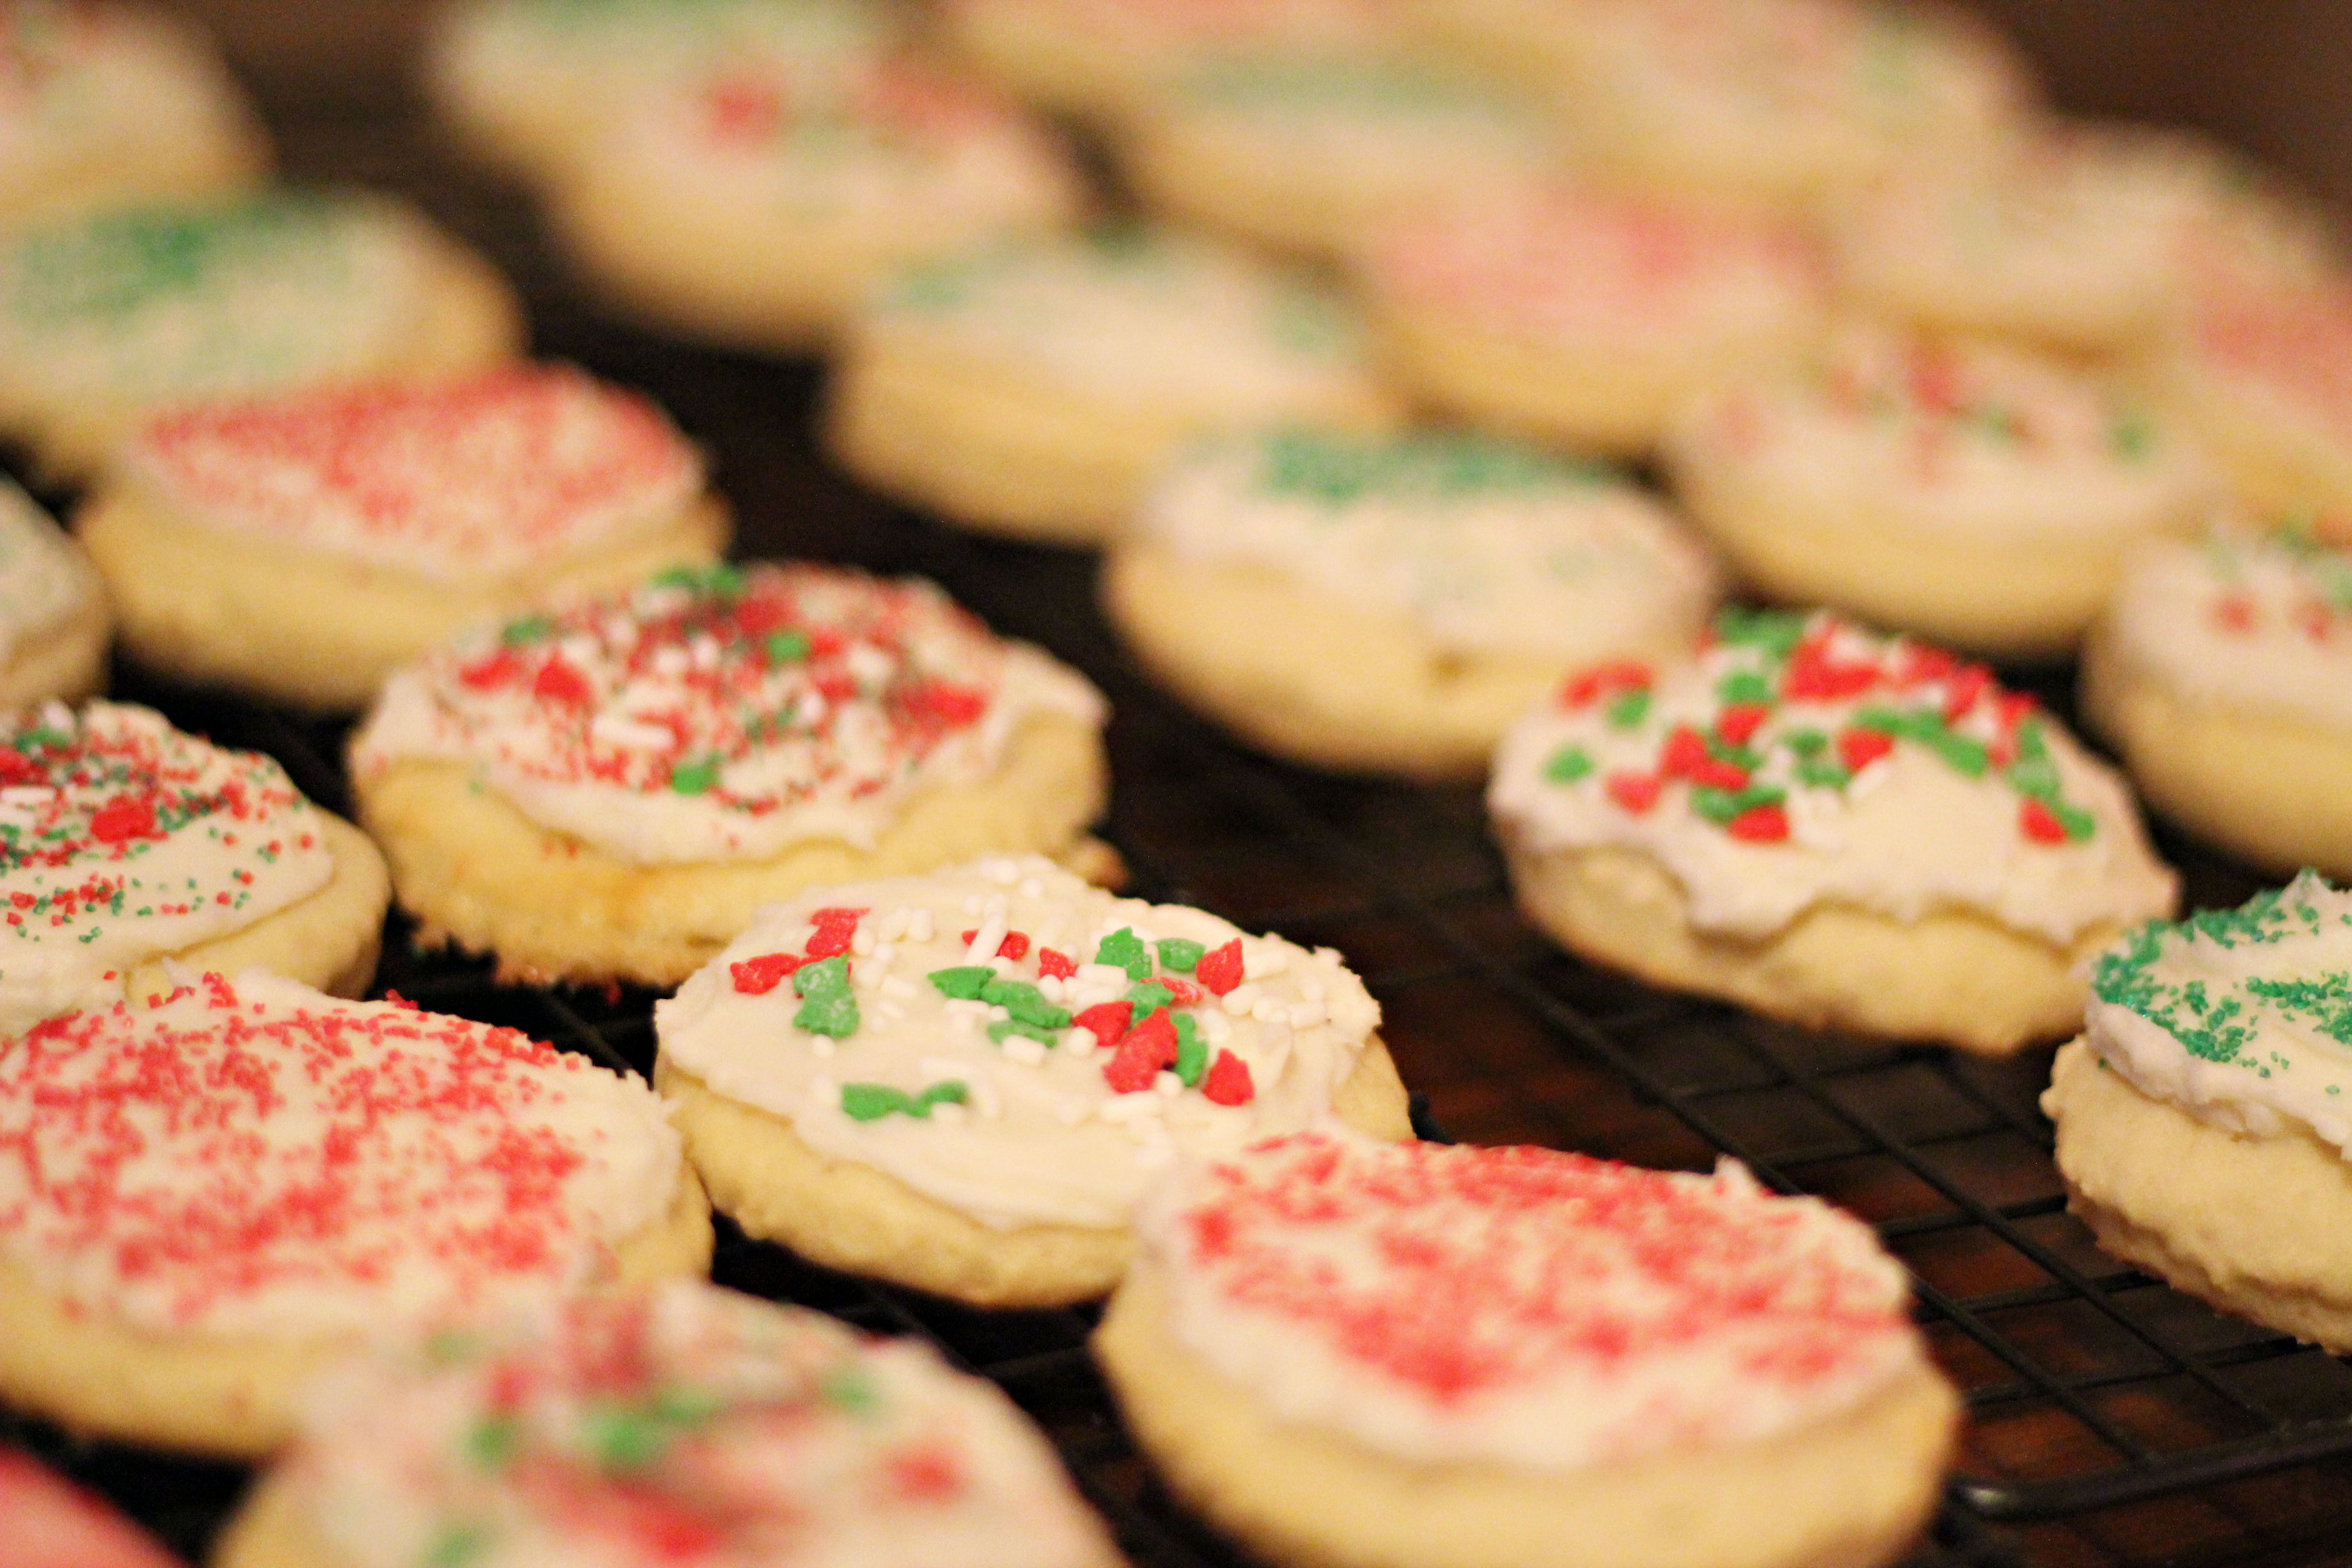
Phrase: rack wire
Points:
(2113, 1420)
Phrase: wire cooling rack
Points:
(2113, 1420)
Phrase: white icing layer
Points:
(260, 1158)
(1134, 318)
(1051, 1123)
(518, 469)
(122, 838)
(1967, 436)
(724, 714)
(689, 1424)
(1519, 1306)
(2241, 1017)
(2243, 619)
(1484, 543)
(43, 579)
(1799, 761)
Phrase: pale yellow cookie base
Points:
(2258, 1226)
(468, 318)
(759, 276)
(320, 631)
(997, 450)
(271, 1529)
(2007, 596)
(1319, 680)
(1846, 1492)
(1204, 174)
(65, 660)
(1953, 977)
(1614, 399)
(231, 1397)
(475, 872)
(2267, 787)
(234, 158)
(1050, 67)
(2280, 460)
(859, 1220)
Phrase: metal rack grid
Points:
(2113, 1421)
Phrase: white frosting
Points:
(2241, 1017)
(261, 1158)
(1521, 1306)
(683, 1424)
(154, 305)
(43, 578)
(1970, 437)
(1163, 38)
(519, 468)
(2044, 844)
(1040, 1134)
(122, 839)
(664, 726)
(890, 145)
(1134, 318)
(2243, 619)
(1485, 544)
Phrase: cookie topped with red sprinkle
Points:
(1521, 1305)
(519, 467)
(1801, 759)
(724, 713)
(257, 1157)
(687, 1424)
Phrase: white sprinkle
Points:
(1264, 960)
(898, 986)
(1051, 988)
(1168, 1085)
(1079, 1042)
(985, 1098)
(1112, 974)
(620, 730)
(671, 660)
(868, 665)
(986, 939)
(861, 942)
(820, 1046)
(894, 924)
(1126, 1108)
(918, 926)
(890, 1013)
(1003, 873)
(962, 1007)
(1312, 989)
(1031, 887)
(1240, 1000)
(1268, 1009)
(1021, 1050)
(1216, 1027)
(1307, 1014)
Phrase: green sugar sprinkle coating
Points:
(1180, 954)
(873, 1102)
(828, 1007)
(1125, 950)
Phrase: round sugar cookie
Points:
(104, 320)
(2201, 1124)
(1104, 59)
(1970, 491)
(108, 105)
(53, 611)
(204, 1200)
(1316, 153)
(1411, 1356)
(1826, 825)
(610, 788)
(303, 547)
(2082, 240)
(530, 85)
(130, 851)
(755, 208)
(676, 1423)
(963, 1082)
(46, 1521)
(1583, 318)
(1036, 391)
(1394, 604)
(2222, 673)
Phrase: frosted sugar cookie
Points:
(53, 614)
(46, 1521)
(609, 789)
(1036, 391)
(1826, 825)
(104, 320)
(304, 547)
(1969, 491)
(753, 208)
(127, 847)
(1411, 1356)
(1105, 59)
(2081, 240)
(2201, 1124)
(1586, 319)
(204, 1200)
(1313, 154)
(2222, 673)
(1783, 104)
(532, 84)
(1394, 604)
(964, 1082)
(104, 105)
(684, 1424)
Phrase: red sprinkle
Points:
(1148, 1049)
(1634, 793)
(1857, 749)
(559, 682)
(1966, 684)
(1228, 1081)
(1759, 824)
(2039, 822)
(2234, 612)
(1584, 690)
(758, 976)
(1056, 965)
(1220, 969)
(1738, 722)
(1109, 1021)
(834, 930)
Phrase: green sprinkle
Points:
(457, 1546)
(1820, 773)
(1180, 954)
(828, 1007)
(625, 1440)
(695, 778)
(1191, 1050)
(1125, 949)
(850, 1387)
(1723, 806)
(873, 1102)
(787, 647)
(2131, 436)
(1776, 632)
(718, 579)
(493, 1442)
(963, 982)
(1003, 1026)
(1629, 709)
(528, 630)
(1026, 1003)
(1568, 764)
(1149, 997)
(1744, 686)
(1806, 742)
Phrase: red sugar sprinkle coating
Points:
(836, 929)
(1057, 966)
(1482, 1269)
(1228, 1081)
(1220, 969)
(1148, 1049)
(1584, 690)
(758, 976)
(1107, 1021)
